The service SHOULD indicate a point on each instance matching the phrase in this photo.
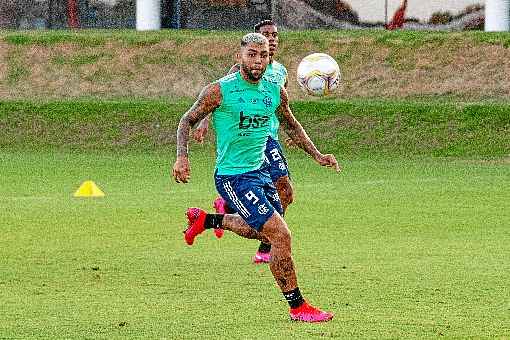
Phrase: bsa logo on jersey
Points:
(252, 122)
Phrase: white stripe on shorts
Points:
(237, 202)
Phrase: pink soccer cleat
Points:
(261, 257)
(196, 221)
(308, 313)
(219, 206)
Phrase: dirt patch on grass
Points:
(3, 69)
(466, 72)
(115, 72)
(461, 68)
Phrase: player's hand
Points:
(329, 161)
(181, 170)
(199, 134)
(290, 143)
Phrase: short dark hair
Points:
(253, 37)
(263, 23)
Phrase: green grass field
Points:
(410, 241)
(397, 248)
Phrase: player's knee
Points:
(283, 236)
(277, 232)
(290, 195)
(285, 190)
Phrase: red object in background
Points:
(398, 18)
(72, 14)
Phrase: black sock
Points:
(264, 248)
(213, 221)
(294, 298)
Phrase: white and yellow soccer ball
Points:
(318, 74)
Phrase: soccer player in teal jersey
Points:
(242, 105)
(278, 166)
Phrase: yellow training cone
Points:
(88, 189)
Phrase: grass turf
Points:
(56, 64)
(367, 128)
(396, 248)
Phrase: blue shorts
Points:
(252, 195)
(278, 164)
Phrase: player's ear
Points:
(238, 58)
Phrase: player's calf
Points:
(285, 192)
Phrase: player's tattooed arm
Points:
(293, 128)
(203, 126)
(208, 100)
(298, 135)
(201, 130)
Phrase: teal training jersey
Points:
(275, 73)
(242, 123)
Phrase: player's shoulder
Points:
(279, 66)
(228, 84)
(272, 87)
(236, 67)
(212, 91)
(228, 79)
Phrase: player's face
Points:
(254, 60)
(271, 33)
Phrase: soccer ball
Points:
(318, 74)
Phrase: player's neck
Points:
(247, 79)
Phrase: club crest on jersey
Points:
(262, 209)
(267, 101)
